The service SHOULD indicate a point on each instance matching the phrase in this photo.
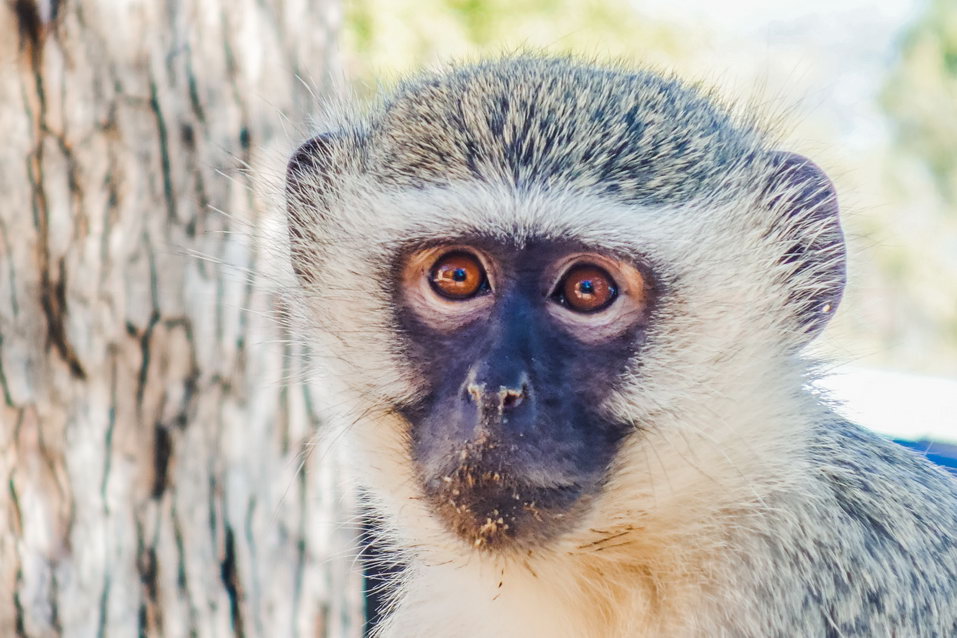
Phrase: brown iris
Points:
(458, 275)
(587, 288)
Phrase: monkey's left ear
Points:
(804, 203)
(310, 187)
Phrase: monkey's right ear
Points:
(309, 189)
(803, 201)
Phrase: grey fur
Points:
(825, 530)
(869, 550)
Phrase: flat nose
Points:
(497, 397)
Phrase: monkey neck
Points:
(639, 587)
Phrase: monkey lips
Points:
(489, 507)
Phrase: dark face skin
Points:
(509, 441)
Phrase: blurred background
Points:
(866, 88)
(160, 476)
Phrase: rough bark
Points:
(155, 471)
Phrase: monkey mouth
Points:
(492, 511)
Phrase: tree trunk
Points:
(156, 475)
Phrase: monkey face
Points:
(520, 347)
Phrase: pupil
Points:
(459, 274)
(586, 287)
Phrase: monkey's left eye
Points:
(459, 276)
(586, 288)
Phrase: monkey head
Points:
(531, 283)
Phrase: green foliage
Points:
(919, 264)
(391, 36)
(921, 94)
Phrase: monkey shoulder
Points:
(895, 495)
(872, 546)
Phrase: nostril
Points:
(506, 397)
(511, 398)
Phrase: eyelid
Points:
(557, 273)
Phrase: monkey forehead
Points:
(374, 220)
(640, 137)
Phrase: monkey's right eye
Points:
(459, 276)
(586, 288)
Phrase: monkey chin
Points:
(493, 511)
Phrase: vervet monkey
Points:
(563, 309)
